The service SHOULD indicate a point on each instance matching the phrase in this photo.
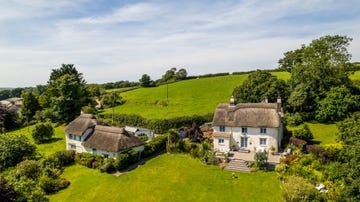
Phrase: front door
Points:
(244, 142)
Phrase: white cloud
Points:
(125, 41)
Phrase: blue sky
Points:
(121, 40)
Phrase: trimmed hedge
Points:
(158, 125)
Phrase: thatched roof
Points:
(248, 115)
(81, 124)
(112, 139)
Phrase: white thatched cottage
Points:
(248, 126)
(88, 134)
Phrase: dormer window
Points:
(222, 128)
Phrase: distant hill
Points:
(185, 98)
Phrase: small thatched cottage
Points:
(88, 134)
(248, 126)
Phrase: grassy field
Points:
(169, 178)
(56, 144)
(323, 133)
(185, 98)
(355, 76)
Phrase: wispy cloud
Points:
(115, 40)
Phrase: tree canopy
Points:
(315, 69)
(258, 86)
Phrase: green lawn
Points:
(323, 133)
(355, 76)
(56, 144)
(169, 178)
(185, 98)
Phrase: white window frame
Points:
(263, 131)
(261, 141)
(221, 141)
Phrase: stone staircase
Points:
(237, 165)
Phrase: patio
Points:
(249, 156)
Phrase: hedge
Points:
(158, 125)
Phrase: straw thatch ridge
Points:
(112, 139)
(248, 115)
(81, 124)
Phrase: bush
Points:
(89, 160)
(260, 160)
(29, 169)
(155, 145)
(293, 119)
(297, 189)
(50, 185)
(14, 149)
(122, 161)
(108, 166)
(304, 133)
(42, 132)
(318, 152)
(59, 159)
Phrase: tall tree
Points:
(30, 105)
(145, 80)
(258, 86)
(181, 74)
(66, 93)
(318, 67)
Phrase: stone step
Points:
(238, 165)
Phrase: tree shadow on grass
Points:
(317, 142)
(52, 140)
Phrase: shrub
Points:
(122, 161)
(29, 169)
(108, 166)
(59, 159)
(318, 152)
(297, 189)
(89, 160)
(293, 119)
(290, 158)
(260, 160)
(155, 145)
(42, 132)
(304, 133)
(50, 185)
(14, 149)
(133, 156)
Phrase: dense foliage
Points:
(315, 69)
(158, 125)
(14, 149)
(8, 119)
(30, 105)
(42, 132)
(65, 95)
(260, 85)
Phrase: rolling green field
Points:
(184, 98)
(169, 178)
(56, 144)
(355, 76)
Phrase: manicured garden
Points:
(169, 178)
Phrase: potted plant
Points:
(233, 147)
(272, 149)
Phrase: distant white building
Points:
(248, 126)
(88, 134)
(140, 131)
